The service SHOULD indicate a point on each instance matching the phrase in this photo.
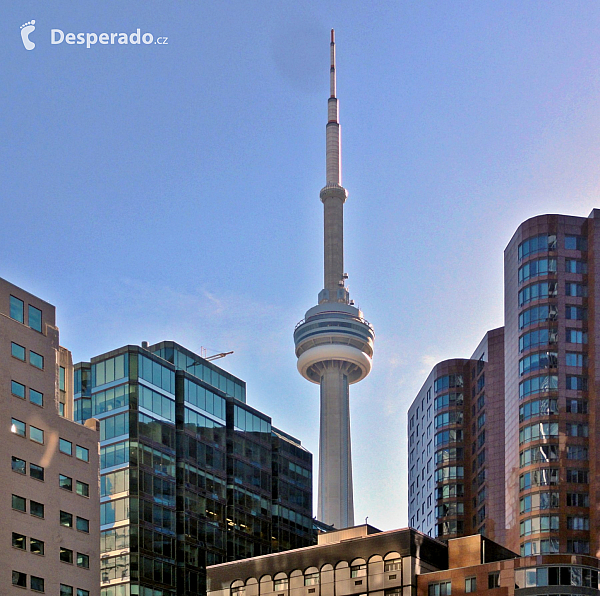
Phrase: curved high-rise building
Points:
(334, 343)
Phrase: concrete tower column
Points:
(335, 500)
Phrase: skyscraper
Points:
(550, 425)
(334, 343)
(49, 505)
(456, 446)
(190, 473)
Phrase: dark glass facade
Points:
(190, 474)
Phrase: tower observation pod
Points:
(334, 343)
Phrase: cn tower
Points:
(334, 343)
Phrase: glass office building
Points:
(190, 474)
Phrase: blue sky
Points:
(157, 192)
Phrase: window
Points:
(536, 268)
(449, 509)
(19, 503)
(539, 477)
(18, 465)
(576, 359)
(65, 482)
(66, 555)
(539, 407)
(535, 244)
(575, 289)
(537, 431)
(35, 397)
(36, 546)
(493, 580)
(577, 383)
(449, 399)
(17, 427)
(577, 406)
(440, 589)
(578, 500)
(311, 579)
(575, 266)
(37, 583)
(541, 384)
(61, 378)
(19, 579)
(82, 592)
(280, 584)
(17, 351)
(17, 389)
(83, 525)
(535, 525)
(580, 547)
(36, 509)
(538, 314)
(83, 489)
(576, 313)
(446, 382)
(470, 584)
(580, 522)
(451, 417)
(575, 243)
(538, 361)
(537, 454)
(66, 590)
(442, 474)
(36, 359)
(66, 519)
(358, 570)
(17, 309)
(36, 471)
(577, 430)
(19, 541)
(36, 434)
(35, 318)
(537, 291)
(575, 336)
(577, 476)
(539, 337)
(65, 446)
(392, 565)
(82, 453)
(83, 561)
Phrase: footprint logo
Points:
(26, 29)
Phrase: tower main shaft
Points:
(334, 343)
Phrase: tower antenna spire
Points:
(332, 81)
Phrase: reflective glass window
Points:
(36, 434)
(19, 541)
(17, 427)
(17, 351)
(16, 309)
(35, 397)
(36, 359)
(17, 389)
(18, 465)
(35, 318)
